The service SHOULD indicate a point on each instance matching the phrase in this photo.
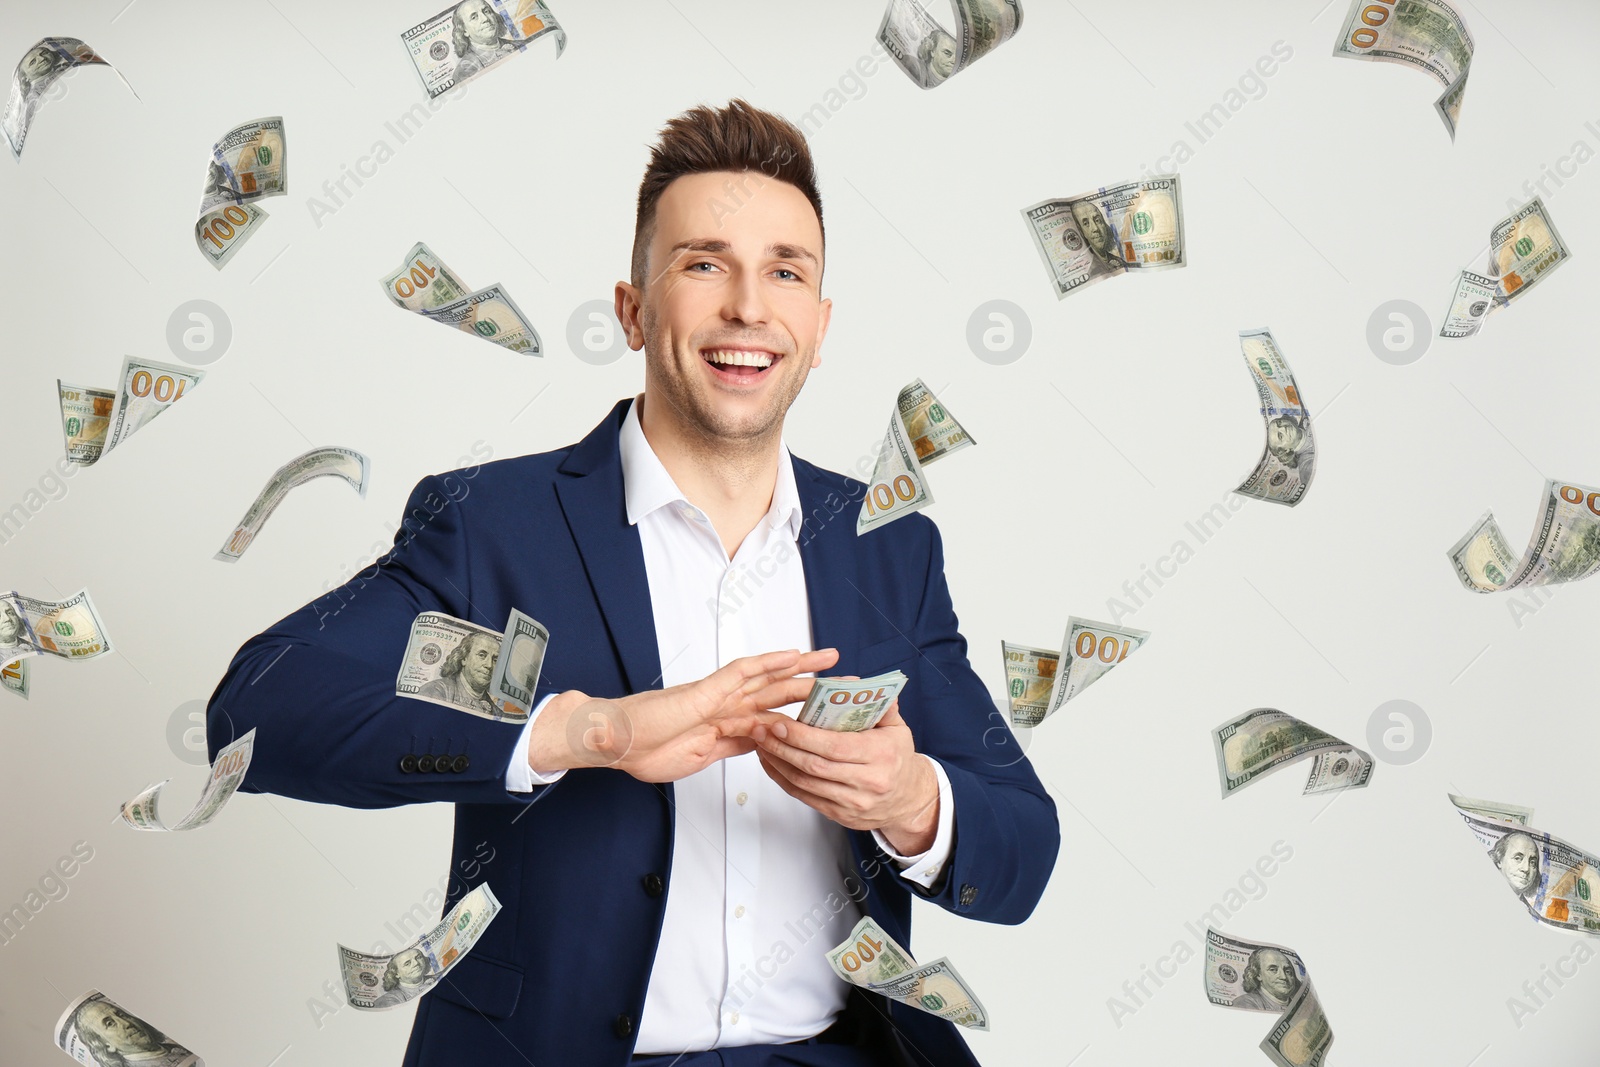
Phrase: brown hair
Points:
(736, 138)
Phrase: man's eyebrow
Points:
(716, 246)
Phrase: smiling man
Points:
(676, 854)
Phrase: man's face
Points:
(1093, 226)
(410, 966)
(1521, 862)
(479, 664)
(942, 59)
(37, 63)
(482, 24)
(120, 1031)
(724, 285)
(1277, 975)
(10, 626)
(1284, 435)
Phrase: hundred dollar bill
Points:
(1301, 1037)
(226, 774)
(933, 431)
(929, 54)
(222, 232)
(1425, 34)
(70, 628)
(1090, 649)
(423, 282)
(516, 669)
(1474, 298)
(85, 417)
(36, 72)
(921, 430)
(1523, 249)
(344, 463)
(1557, 882)
(1565, 546)
(463, 41)
(96, 1031)
(1251, 975)
(1030, 676)
(14, 678)
(250, 162)
(375, 983)
(1261, 976)
(1088, 238)
(457, 664)
(1265, 740)
(1493, 809)
(1288, 460)
(850, 704)
(147, 389)
(873, 960)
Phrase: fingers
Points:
(752, 673)
(799, 785)
(777, 694)
(812, 763)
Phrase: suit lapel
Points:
(595, 507)
(829, 556)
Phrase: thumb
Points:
(892, 716)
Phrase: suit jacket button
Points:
(653, 884)
(623, 1026)
(441, 764)
(425, 764)
(408, 763)
(969, 893)
(460, 763)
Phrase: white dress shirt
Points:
(757, 893)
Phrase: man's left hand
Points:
(868, 780)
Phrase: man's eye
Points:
(692, 266)
(790, 273)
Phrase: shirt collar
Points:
(648, 487)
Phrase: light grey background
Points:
(1333, 190)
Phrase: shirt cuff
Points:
(926, 868)
(520, 777)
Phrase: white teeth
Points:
(739, 358)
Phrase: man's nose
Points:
(746, 300)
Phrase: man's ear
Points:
(824, 316)
(627, 305)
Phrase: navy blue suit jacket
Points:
(580, 865)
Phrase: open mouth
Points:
(742, 365)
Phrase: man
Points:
(464, 676)
(481, 38)
(936, 55)
(1517, 856)
(1270, 981)
(118, 1039)
(675, 855)
(13, 633)
(1097, 233)
(1290, 444)
(407, 977)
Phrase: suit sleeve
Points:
(1007, 834)
(318, 686)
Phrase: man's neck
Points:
(732, 485)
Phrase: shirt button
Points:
(741, 798)
(734, 1018)
(738, 913)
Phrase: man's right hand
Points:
(666, 734)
